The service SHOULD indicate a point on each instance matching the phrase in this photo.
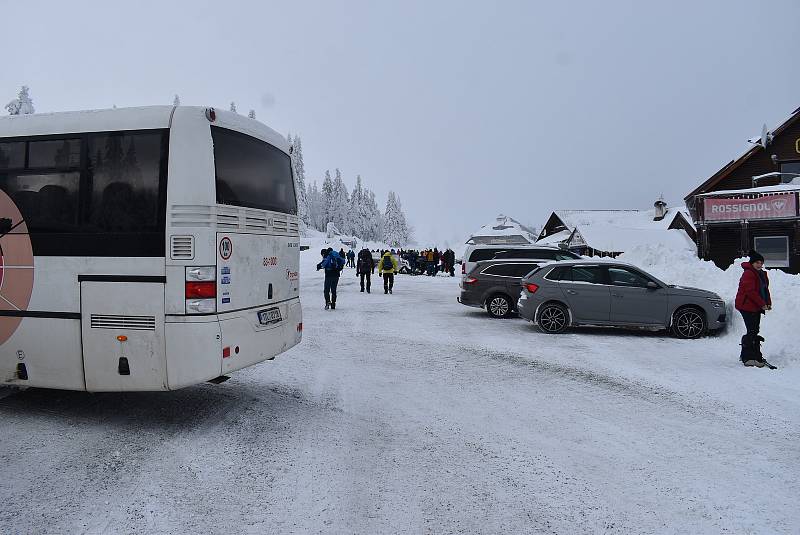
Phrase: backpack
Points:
(335, 262)
(388, 265)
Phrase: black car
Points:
(495, 285)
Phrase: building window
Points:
(792, 170)
(775, 250)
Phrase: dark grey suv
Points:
(581, 292)
(495, 285)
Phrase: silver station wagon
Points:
(561, 295)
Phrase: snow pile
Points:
(682, 267)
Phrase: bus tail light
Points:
(201, 289)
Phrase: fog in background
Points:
(465, 109)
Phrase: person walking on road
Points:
(333, 264)
(752, 300)
(387, 267)
(351, 259)
(450, 262)
(365, 268)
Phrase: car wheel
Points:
(689, 323)
(553, 318)
(498, 306)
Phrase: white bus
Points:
(144, 248)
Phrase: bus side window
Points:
(125, 171)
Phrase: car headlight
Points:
(716, 302)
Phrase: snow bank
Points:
(681, 266)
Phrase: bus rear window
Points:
(252, 173)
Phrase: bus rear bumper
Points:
(199, 351)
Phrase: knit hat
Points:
(755, 257)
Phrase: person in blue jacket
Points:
(333, 264)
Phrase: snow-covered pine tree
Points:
(315, 206)
(299, 180)
(177, 100)
(233, 107)
(395, 227)
(341, 204)
(327, 200)
(252, 114)
(22, 105)
(358, 209)
(375, 222)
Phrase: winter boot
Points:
(327, 306)
(748, 351)
(333, 305)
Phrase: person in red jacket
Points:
(752, 300)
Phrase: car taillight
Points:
(200, 289)
(463, 268)
(531, 287)
(470, 280)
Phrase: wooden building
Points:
(752, 202)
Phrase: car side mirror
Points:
(652, 286)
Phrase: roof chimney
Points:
(660, 209)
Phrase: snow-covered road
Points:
(410, 413)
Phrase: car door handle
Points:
(572, 292)
(617, 295)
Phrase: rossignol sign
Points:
(771, 207)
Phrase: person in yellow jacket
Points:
(388, 267)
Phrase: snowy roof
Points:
(503, 229)
(778, 188)
(620, 218)
(618, 230)
(612, 238)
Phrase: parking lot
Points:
(412, 413)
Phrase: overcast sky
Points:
(465, 108)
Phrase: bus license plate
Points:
(269, 316)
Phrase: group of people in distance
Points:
(334, 262)
(425, 262)
(430, 261)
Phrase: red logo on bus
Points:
(225, 248)
(16, 265)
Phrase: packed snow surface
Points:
(409, 413)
